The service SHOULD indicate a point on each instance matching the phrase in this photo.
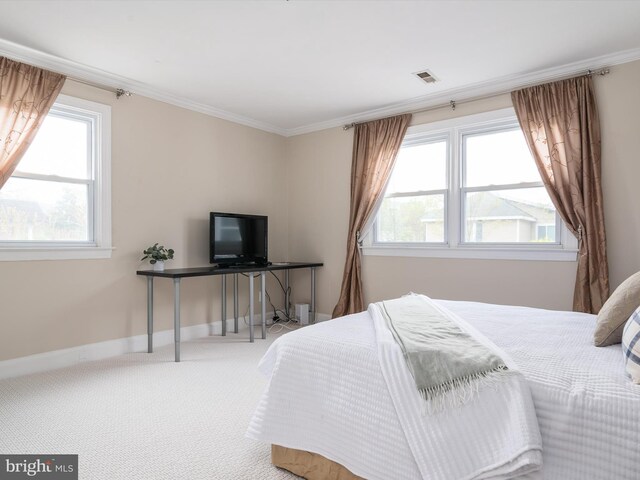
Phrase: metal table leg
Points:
(176, 316)
(313, 294)
(224, 305)
(287, 299)
(263, 304)
(150, 314)
(251, 307)
(235, 303)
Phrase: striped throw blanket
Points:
(447, 361)
(631, 346)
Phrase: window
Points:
(468, 187)
(413, 209)
(56, 204)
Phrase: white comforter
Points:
(327, 394)
(588, 410)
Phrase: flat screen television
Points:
(237, 239)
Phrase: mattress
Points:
(587, 410)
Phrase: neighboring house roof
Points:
(542, 213)
(489, 206)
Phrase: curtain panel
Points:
(375, 148)
(26, 95)
(560, 123)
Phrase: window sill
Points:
(15, 254)
(484, 253)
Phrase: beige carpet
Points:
(142, 416)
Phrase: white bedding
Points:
(588, 412)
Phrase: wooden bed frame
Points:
(311, 466)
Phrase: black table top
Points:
(216, 270)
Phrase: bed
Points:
(326, 398)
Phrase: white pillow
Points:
(631, 346)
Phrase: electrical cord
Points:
(287, 294)
(275, 326)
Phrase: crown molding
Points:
(101, 79)
(475, 91)
(506, 84)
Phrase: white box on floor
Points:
(302, 313)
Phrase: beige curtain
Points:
(26, 95)
(560, 123)
(375, 148)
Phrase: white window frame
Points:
(565, 249)
(429, 137)
(99, 184)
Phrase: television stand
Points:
(179, 273)
(243, 265)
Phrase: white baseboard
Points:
(322, 317)
(66, 357)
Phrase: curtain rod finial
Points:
(122, 92)
(602, 72)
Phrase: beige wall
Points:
(200, 163)
(170, 167)
(319, 178)
(618, 97)
(319, 210)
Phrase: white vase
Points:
(158, 266)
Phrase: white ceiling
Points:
(294, 66)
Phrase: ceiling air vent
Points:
(425, 76)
